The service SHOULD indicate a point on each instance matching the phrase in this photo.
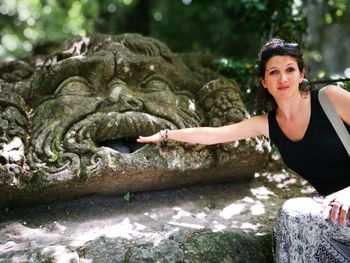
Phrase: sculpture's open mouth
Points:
(117, 131)
(123, 145)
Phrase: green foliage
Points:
(346, 85)
(232, 29)
(33, 26)
(336, 11)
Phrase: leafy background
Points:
(232, 30)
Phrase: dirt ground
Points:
(249, 206)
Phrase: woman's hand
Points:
(340, 202)
(153, 138)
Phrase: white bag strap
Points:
(334, 118)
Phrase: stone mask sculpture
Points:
(69, 122)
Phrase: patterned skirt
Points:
(303, 234)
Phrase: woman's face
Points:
(282, 76)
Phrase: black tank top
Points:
(320, 156)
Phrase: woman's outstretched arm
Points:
(212, 135)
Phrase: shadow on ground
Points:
(228, 222)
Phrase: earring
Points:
(303, 86)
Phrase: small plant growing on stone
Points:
(127, 197)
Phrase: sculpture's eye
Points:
(74, 86)
(155, 85)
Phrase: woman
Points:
(305, 138)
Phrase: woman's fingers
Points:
(335, 210)
(153, 138)
(142, 139)
(339, 201)
(339, 212)
(344, 211)
(328, 200)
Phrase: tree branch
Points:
(322, 81)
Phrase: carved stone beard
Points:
(50, 122)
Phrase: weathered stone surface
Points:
(184, 246)
(69, 122)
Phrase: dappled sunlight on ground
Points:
(247, 206)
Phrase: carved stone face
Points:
(98, 101)
(90, 101)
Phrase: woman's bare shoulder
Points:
(340, 98)
(335, 92)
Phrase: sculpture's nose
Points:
(119, 98)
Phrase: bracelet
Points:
(164, 134)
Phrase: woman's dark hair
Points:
(279, 47)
